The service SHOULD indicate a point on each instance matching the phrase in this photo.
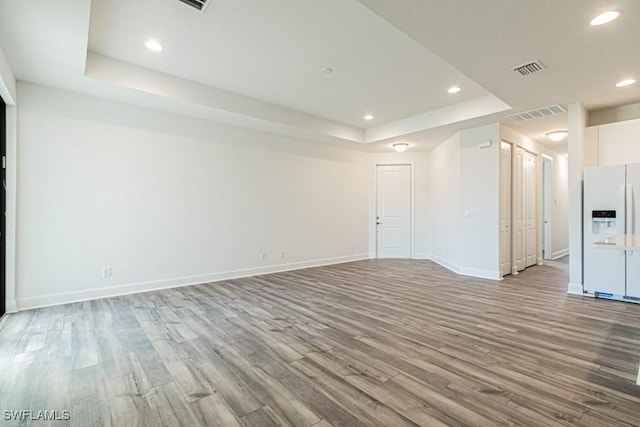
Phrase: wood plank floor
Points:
(380, 342)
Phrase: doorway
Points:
(524, 210)
(505, 208)
(547, 167)
(393, 211)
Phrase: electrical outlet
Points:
(282, 254)
(263, 255)
(106, 272)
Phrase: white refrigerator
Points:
(611, 207)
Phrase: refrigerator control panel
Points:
(603, 214)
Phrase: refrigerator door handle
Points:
(622, 221)
(630, 226)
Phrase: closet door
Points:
(530, 208)
(518, 215)
(505, 208)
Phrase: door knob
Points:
(378, 223)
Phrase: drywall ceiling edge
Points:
(456, 113)
(220, 102)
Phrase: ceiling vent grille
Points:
(200, 5)
(529, 68)
(551, 110)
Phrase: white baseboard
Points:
(559, 254)
(466, 271)
(11, 306)
(133, 288)
(446, 264)
(480, 273)
(416, 255)
(574, 289)
(421, 255)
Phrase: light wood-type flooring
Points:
(381, 342)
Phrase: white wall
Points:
(559, 189)
(480, 202)
(166, 200)
(464, 202)
(421, 204)
(444, 189)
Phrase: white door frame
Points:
(373, 229)
(506, 204)
(547, 176)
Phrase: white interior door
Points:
(518, 216)
(546, 208)
(505, 208)
(530, 199)
(393, 211)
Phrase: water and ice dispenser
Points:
(603, 222)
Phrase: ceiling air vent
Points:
(200, 5)
(528, 68)
(551, 110)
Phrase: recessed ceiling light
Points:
(453, 89)
(605, 17)
(154, 46)
(557, 135)
(326, 70)
(627, 82)
(400, 146)
(368, 117)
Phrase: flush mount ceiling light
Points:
(605, 17)
(153, 45)
(326, 70)
(453, 89)
(368, 117)
(624, 83)
(400, 147)
(557, 135)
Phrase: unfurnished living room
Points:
(320, 213)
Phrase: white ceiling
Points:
(274, 51)
(257, 64)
